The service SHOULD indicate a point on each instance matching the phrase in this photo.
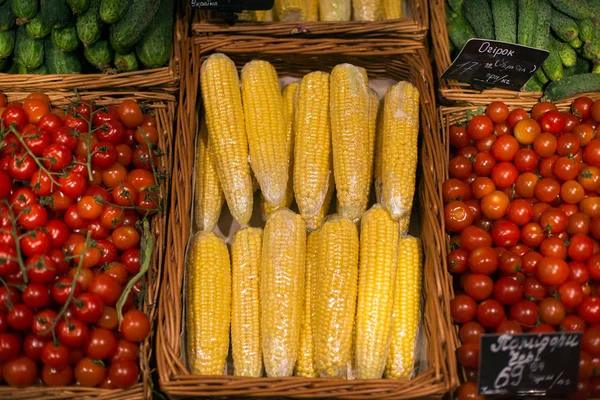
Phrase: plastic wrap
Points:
(291, 10)
(312, 146)
(226, 131)
(337, 280)
(368, 10)
(282, 290)
(313, 223)
(208, 301)
(335, 10)
(266, 129)
(245, 305)
(373, 114)
(349, 107)
(393, 9)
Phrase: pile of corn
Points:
(307, 295)
(328, 10)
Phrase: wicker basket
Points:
(413, 27)
(163, 107)
(409, 63)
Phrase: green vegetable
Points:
(593, 46)
(505, 20)
(572, 86)
(7, 43)
(89, 25)
(154, 50)
(527, 22)
(456, 5)
(65, 38)
(55, 13)
(29, 52)
(126, 62)
(542, 30)
(586, 29)
(479, 15)
(100, 55)
(533, 85)
(24, 10)
(581, 67)
(541, 76)
(596, 69)
(37, 28)
(79, 6)
(460, 31)
(4, 63)
(563, 26)
(13, 69)
(553, 67)
(567, 54)
(576, 43)
(111, 11)
(59, 62)
(43, 70)
(7, 18)
(578, 9)
(128, 31)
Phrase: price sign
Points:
(490, 63)
(529, 364)
(232, 5)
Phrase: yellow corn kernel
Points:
(335, 10)
(245, 305)
(313, 223)
(208, 195)
(376, 284)
(406, 316)
(403, 225)
(282, 290)
(208, 303)
(305, 366)
(349, 104)
(291, 10)
(378, 152)
(312, 14)
(368, 10)
(312, 148)
(400, 148)
(337, 274)
(227, 133)
(266, 129)
(263, 15)
(289, 106)
(393, 9)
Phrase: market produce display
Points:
(522, 207)
(84, 36)
(78, 187)
(328, 10)
(569, 30)
(305, 294)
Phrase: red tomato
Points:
(469, 332)
(572, 323)
(10, 344)
(123, 373)
(135, 326)
(590, 341)
(554, 221)
(515, 116)
(19, 317)
(533, 289)
(552, 122)
(479, 127)
(16, 116)
(582, 107)
(505, 233)
(525, 313)
(130, 114)
(72, 333)
(490, 313)
(495, 205)
(20, 372)
(55, 355)
(504, 174)
(57, 377)
(510, 262)
(478, 286)
(541, 108)
(457, 261)
(89, 372)
(57, 157)
(552, 311)
(520, 212)
(36, 295)
(589, 310)
(591, 153)
(507, 291)
(505, 148)
(107, 288)
(457, 216)
(547, 190)
(483, 260)
(473, 237)
(526, 130)
(570, 294)
(35, 243)
(100, 344)
(468, 355)
(581, 248)
(88, 308)
(526, 160)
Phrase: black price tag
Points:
(232, 5)
(489, 63)
(529, 364)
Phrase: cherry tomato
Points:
(89, 372)
(55, 355)
(469, 332)
(478, 286)
(57, 377)
(473, 237)
(42, 323)
(10, 346)
(584, 133)
(490, 313)
(525, 313)
(15, 116)
(497, 111)
(112, 132)
(100, 344)
(109, 319)
(57, 157)
(114, 175)
(504, 174)
(479, 127)
(552, 122)
(589, 177)
(20, 372)
(515, 116)
(495, 205)
(526, 130)
(589, 310)
(570, 293)
(62, 288)
(572, 192)
(590, 341)
(19, 317)
(88, 307)
(36, 295)
(582, 107)
(581, 248)
(35, 242)
(541, 108)
(107, 288)
(547, 190)
(552, 311)
(59, 232)
(457, 261)
(457, 216)
(8, 297)
(123, 373)
(130, 114)
(36, 139)
(72, 333)
(507, 291)
(505, 233)
(72, 184)
(591, 153)
(572, 323)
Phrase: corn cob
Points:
(378, 152)
(313, 223)
(208, 195)
(312, 148)
(403, 225)
(407, 309)
(245, 307)
(266, 129)
(289, 105)
(349, 101)
(373, 112)
(263, 15)
(312, 14)
(368, 10)
(392, 9)
(282, 290)
(208, 304)
(337, 273)
(335, 10)
(291, 10)
(227, 133)
(400, 148)
(376, 284)
(305, 366)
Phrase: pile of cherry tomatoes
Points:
(522, 206)
(76, 189)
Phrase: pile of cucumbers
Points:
(568, 29)
(84, 36)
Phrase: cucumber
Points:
(154, 50)
(505, 20)
(55, 13)
(456, 6)
(7, 43)
(596, 69)
(578, 9)
(43, 70)
(65, 38)
(13, 69)
(581, 67)
(37, 28)
(593, 46)
(527, 22)
(576, 43)
(24, 10)
(586, 29)
(460, 31)
(111, 11)
(542, 31)
(29, 52)
(100, 55)
(563, 26)
(59, 62)
(567, 54)
(79, 6)
(541, 76)
(4, 63)
(128, 31)
(7, 18)
(553, 67)
(479, 15)
(533, 85)
(572, 86)
(126, 62)
(89, 25)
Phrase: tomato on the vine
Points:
(89, 372)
